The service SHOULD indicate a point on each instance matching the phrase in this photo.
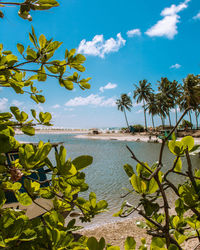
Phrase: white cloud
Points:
(175, 66)
(134, 32)
(56, 106)
(99, 47)
(17, 103)
(197, 16)
(3, 103)
(108, 86)
(167, 27)
(92, 99)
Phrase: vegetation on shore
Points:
(169, 96)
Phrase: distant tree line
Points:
(170, 95)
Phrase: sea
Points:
(106, 176)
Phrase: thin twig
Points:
(175, 127)
(135, 158)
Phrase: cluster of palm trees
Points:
(169, 96)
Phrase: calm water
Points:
(106, 176)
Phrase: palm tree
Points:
(177, 92)
(191, 94)
(161, 107)
(124, 103)
(166, 90)
(152, 107)
(142, 93)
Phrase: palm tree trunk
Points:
(196, 115)
(168, 114)
(176, 114)
(145, 118)
(126, 118)
(153, 122)
(162, 121)
(190, 117)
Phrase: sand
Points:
(117, 232)
(140, 137)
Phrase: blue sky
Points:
(123, 41)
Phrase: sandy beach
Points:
(138, 137)
(116, 234)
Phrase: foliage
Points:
(123, 104)
(29, 5)
(169, 96)
(138, 128)
(66, 180)
(186, 124)
(142, 93)
(169, 230)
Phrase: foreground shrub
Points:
(169, 230)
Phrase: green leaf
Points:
(33, 33)
(71, 53)
(20, 48)
(46, 193)
(68, 84)
(45, 117)
(33, 113)
(28, 235)
(173, 136)
(101, 205)
(2, 243)
(138, 184)
(31, 54)
(173, 247)
(175, 221)
(102, 243)
(129, 170)
(178, 166)
(28, 130)
(82, 162)
(16, 112)
(40, 98)
(92, 198)
(92, 243)
(188, 142)
(42, 41)
(11, 60)
(23, 198)
(85, 85)
(2, 198)
(53, 69)
(42, 75)
(176, 147)
(33, 97)
(152, 186)
(157, 243)
(130, 243)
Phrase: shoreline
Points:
(127, 137)
(86, 134)
(56, 131)
(115, 233)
